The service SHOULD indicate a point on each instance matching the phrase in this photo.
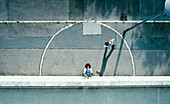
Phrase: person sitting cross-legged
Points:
(87, 73)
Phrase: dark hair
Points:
(106, 43)
(88, 64)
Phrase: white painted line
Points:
(75, 21)
(133, 63)
(44, 52)
(91, 29)
(42, 57)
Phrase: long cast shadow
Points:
(105, 59)
(120, 51)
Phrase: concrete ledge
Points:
(78, 82)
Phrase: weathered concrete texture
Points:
(149, 8)
(23, 42)
(63, 40)
(71, 62)
(19, 61)
(70, 49)
(38, 9)
(80, 9)
(94, 9)
(152, 30)
(120, 28)
(30, 29)
(76, 8)
(3, 10)
(151, 43)
(73, 38)
(152, 62)
(114, 8)
(152, 36)
(37, 36)
(77, 96)
(162, 99)
(110, 10)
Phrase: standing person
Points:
(87, 73)
(110, 43)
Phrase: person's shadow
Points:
(105, 59)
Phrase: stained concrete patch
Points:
(94, 9)
(152, 62)
(151, 43)
(38, 10)
(151, 36)
(3, 10)
(91, 29)
(23, 42)
(149, 8)
(152, 30)
(80, 9)
(76, 9)
(114, 9)
(30, 29)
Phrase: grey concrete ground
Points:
(22, 46)
(148, 36)
(71, 62)
(30, 29)
(80, 9)
(76, 9)
(38, 10)
(20, 61)
(4, 10)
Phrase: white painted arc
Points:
(133, 63)
(45, 49)
(42, 58)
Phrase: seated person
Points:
(87, 73)
(110, 43)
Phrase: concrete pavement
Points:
(21, 47)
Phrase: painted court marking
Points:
(91, 28)
(130, 52)
(45, 49)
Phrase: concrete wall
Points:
(80, 9)
(77, 96)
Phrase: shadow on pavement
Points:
(120, 51)
(105, 59)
